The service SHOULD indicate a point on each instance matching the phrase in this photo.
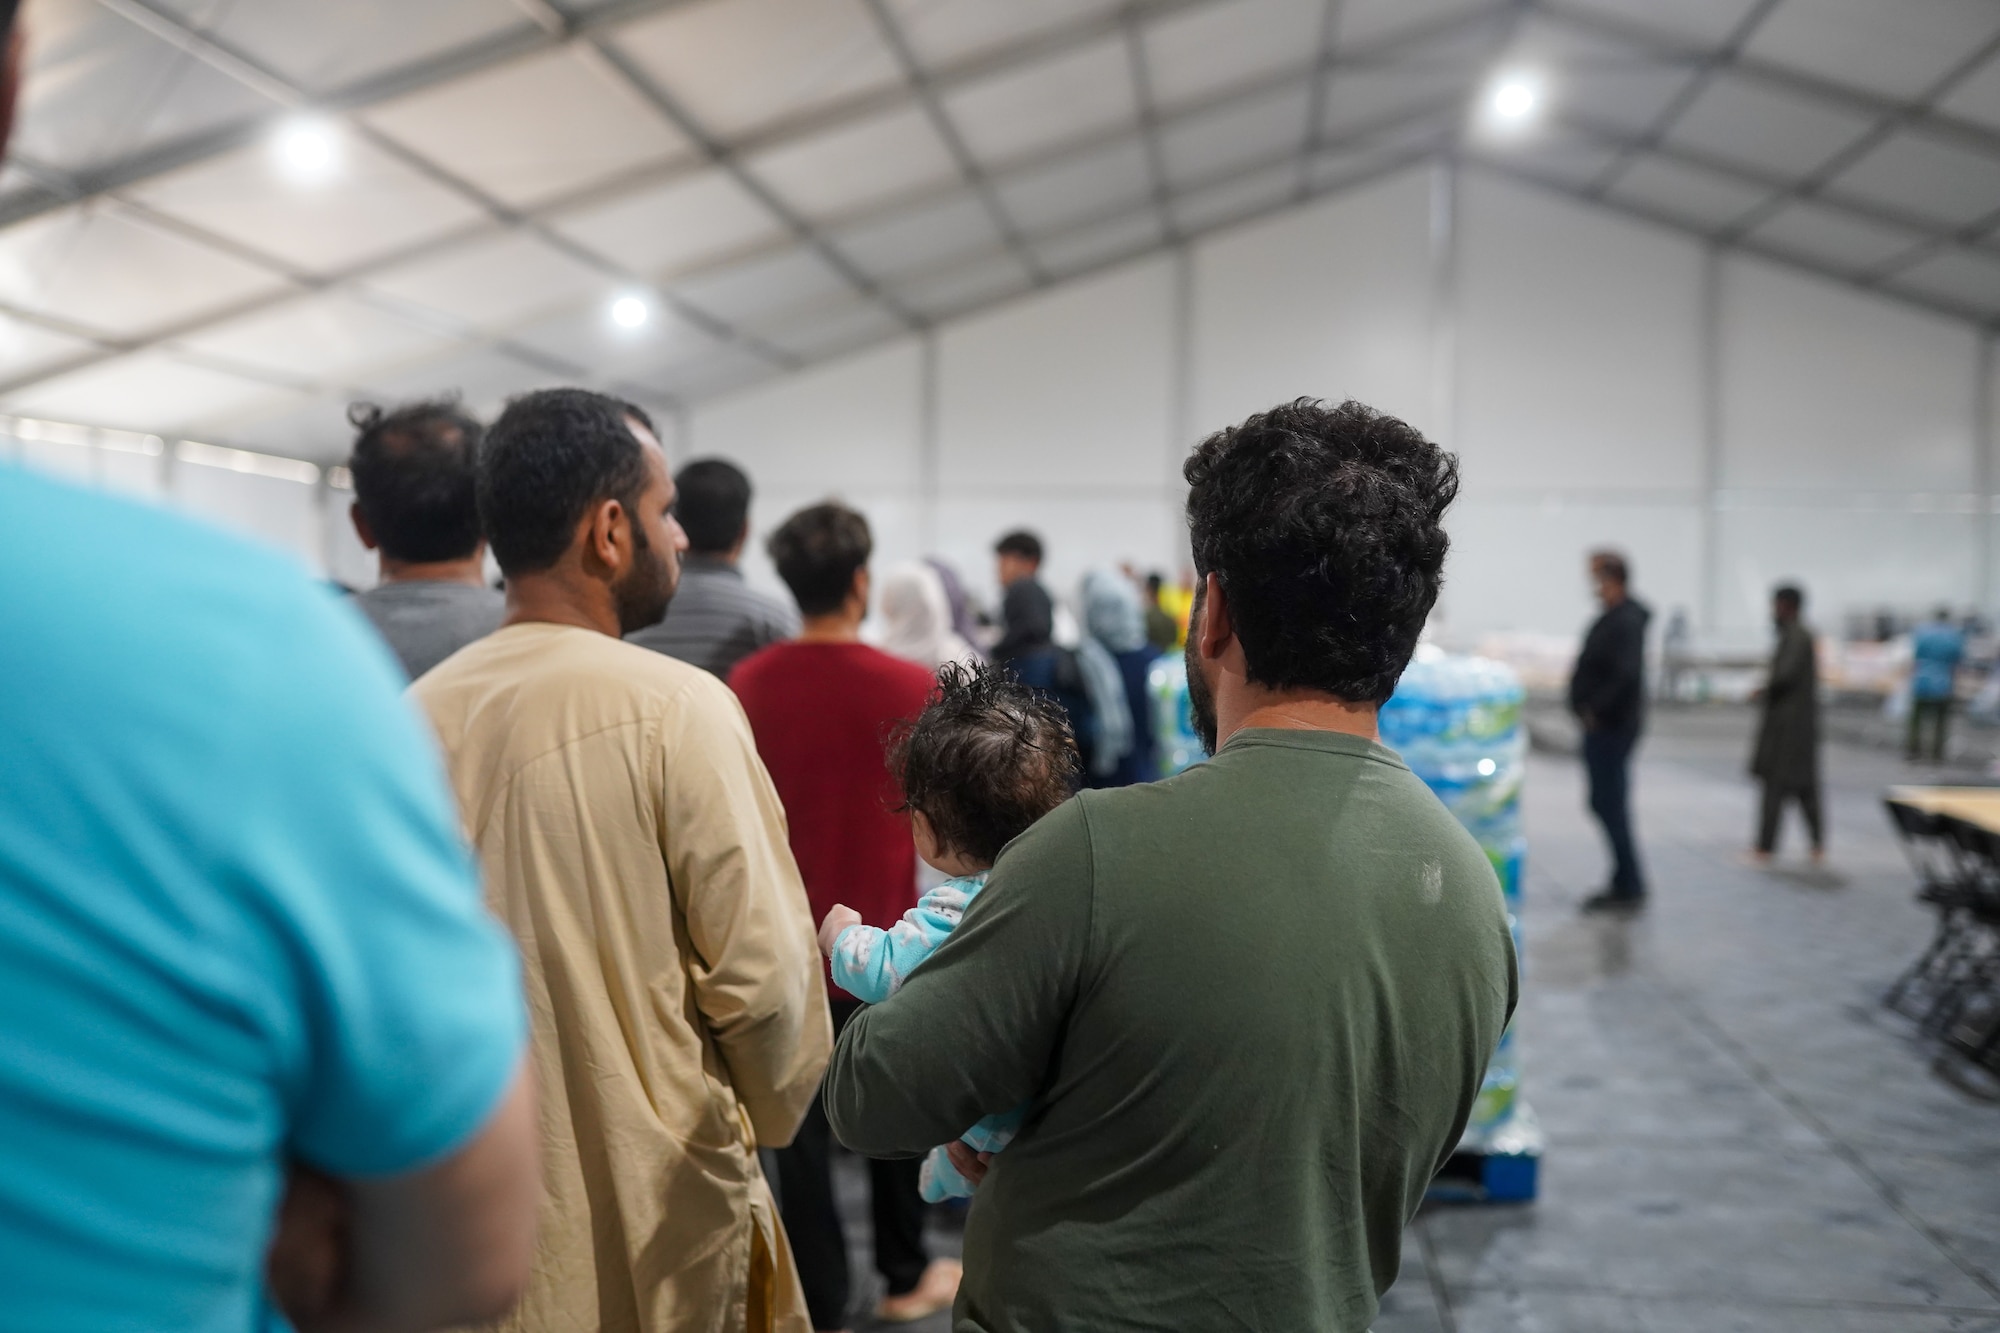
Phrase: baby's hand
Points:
(837, 920)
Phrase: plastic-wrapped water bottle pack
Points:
(1457, 723)
(1173, 727)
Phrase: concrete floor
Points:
(1739, 1138)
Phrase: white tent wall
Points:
(295, 515)
(1725, 421)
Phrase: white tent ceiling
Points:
(785, 180)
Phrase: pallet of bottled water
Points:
(1456, 721)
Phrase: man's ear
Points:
(607, 535)
(1215, 630)
(361, 528)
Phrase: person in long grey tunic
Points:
(1786, 759)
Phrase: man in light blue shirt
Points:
(1935, 651)
(239, 931)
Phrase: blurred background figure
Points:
(1607, 693)
(1161, 629)
(716, 619)
(1936, 649)
(414, 506)
(1676, 647)
(1786, 760)
(1027, 612)
(1115, 628)
(916, 618)
(1028, 640)
(963, 623)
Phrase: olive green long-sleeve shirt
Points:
(1251, 1004)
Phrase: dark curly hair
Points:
(413, 478)
(552, 455)
(817, 551)
(1324, 526)
(986, 758)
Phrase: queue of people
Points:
(264, 1046)
(331, 1003)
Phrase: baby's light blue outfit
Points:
(870, 964)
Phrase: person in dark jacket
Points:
(1607, 693)
(1027, 645)
(1027, 615)
(1786, 759)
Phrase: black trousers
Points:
(1933, 716)
(1607, 759)
(1773, 814)
(812, 1214)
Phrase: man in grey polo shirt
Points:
(716, 619)
(414, 505)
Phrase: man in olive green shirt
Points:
(1251, 1005)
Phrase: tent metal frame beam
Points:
(1826, 172)
(189, 150)
(1700, 77)
(537, 222)
(1139, 68)
(1870, 106)
(719, 155)
(1316, 100)
(535, 38)
(1928, 234)
(926, 97)
(1502, 166)
(1433, 147)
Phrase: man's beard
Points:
(1201, 701)
(642, 595)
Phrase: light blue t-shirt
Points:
(237, 920)
(1936, 648)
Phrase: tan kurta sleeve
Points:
(756, 966)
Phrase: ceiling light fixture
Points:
(309, 150)
(630, 312)
(1514, 100)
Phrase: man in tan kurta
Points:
(634, 844)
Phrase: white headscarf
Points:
(1112, 612)
(916, 618)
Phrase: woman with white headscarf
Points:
(916, 618)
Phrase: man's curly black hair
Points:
(1325, 527)
(986, 758)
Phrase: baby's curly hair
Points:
(986, 758)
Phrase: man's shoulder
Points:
(194, 602)
(773, 606)
(768, 665)
(775, 663)
(162, 552)
(566, 660)
(722, 588)
(434, 592)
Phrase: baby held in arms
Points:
(984, 760)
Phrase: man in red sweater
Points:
(821, 707)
